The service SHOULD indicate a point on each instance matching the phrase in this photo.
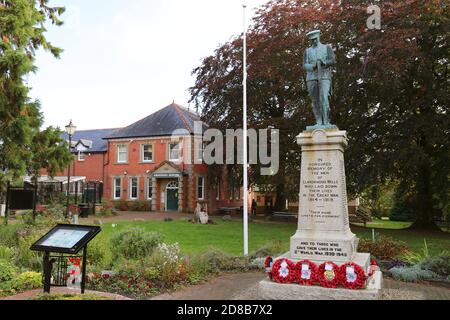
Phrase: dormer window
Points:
(81, 156)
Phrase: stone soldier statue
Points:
(318, 60)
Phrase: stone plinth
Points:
(323, 232)
(269, 290)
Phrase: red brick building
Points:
(146, 161)
(153, 160)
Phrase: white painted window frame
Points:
(169, 147)
(130, 188)
(203, 187)
(81, 156)
(115, 188)
(142, 152)
(119, 146)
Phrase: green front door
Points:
(172, 199)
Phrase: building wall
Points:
(135, 168)
(92, 167)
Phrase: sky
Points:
(125, 59)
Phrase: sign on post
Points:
(64, 239)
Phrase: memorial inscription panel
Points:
(323, 231)
(323, 200)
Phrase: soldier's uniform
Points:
(319, 92)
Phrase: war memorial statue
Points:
(323, 256)
(318, 61)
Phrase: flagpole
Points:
(245, 168)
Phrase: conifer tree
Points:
(23, 146)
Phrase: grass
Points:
(196, 238)
(228, 236)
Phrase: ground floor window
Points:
(149, 189)
(133, 188)
(201, 188)
(117, 188)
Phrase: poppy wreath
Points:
(354, 281)
(302, 276)
(284, 271)
(329, 278)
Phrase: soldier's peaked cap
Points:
(313, 34)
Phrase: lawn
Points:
(228, 236)
(196, 238)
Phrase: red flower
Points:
(373, 262)
(358, 280)
(106, 276)
(312, 272)
(284, 271)
(329, 275)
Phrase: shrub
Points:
(107, 212)
(27, 281)
(412, 274)
(9, 235)
(439, 265)
(24, 257)
(97, 254)
(139, 206)
(222, 261)
(121, 205)
(166, 265)
(137, 287)
(56, 211)
(7, 271)
(135, 243)
(383, 248)
(5, 253)
(270, 249)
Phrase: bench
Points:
(285, 215)
(228, 210)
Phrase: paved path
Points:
(243, 286)
(223, 287)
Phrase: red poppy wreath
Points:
(283, 271)
(329, 275)
(352, 276)
(307, 273)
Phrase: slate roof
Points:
(161, 123)
(95, 136)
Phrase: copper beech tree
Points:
(390, 92)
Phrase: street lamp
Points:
(70, 130)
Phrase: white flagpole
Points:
(245, 191)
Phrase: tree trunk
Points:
(424, 200)
(280, 201)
